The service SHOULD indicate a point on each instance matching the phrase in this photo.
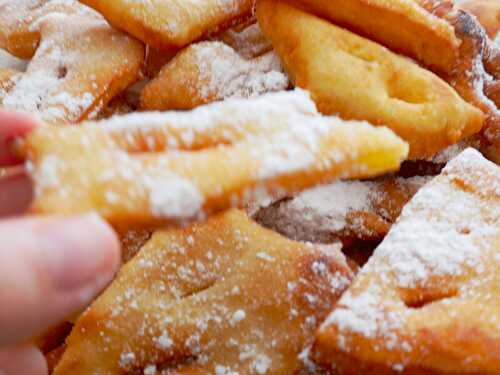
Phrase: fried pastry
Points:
(54, 337)
(18, 32)
(80, 64)
(478, 78)
(132, 240)
(155, 168)
(53, 357)
(476, 72)
(359, 79)
(247, 39)
(343, 210)
(157, 59)
(487, 12)
(427, 302)
(223, 297)
(402, 25)
(7, 81)
(164, 24)
(211, 71)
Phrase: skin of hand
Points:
(50, 267)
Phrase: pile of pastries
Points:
(300, 186)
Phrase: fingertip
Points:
(108, 239)
(80, 252)
(56, 267)
(23, 360)
(17, 123)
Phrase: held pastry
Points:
(156, 168)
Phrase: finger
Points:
(22, 360)
(16, 192)
(49, 269)
(12, 125)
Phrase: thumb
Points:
(49, 269)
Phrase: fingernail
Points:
(15, 148)
(81, 252)
(6, 155)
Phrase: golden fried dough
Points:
(147, 169)
(359, 79)
(132, 240)
(7, 61)
(401, 25)
(80, 64)
(211, 71)
(247, 39)
(53, 337)
(477, 78)
(343, 210)
(223, 297)
(428, 301)
(157, 59)
(486, 11)
(7, 81)
(18, 32)
(53, 358)
(164, 24)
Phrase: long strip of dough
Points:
(268, 146)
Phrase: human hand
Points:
(49, 267)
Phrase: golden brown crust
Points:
(359, 79)
(53, 358)
(80, 63)
(130, 169)
(132, 240)
(246, 39)
(173, 23)
(211, 71)
(401, 25)
(427, 302)
(225, 294)
(7, 81)
(345, 210)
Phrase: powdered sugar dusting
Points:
(238, 112)
(224, 74)
(442, 236)
(444, 228)
(270, 137)
(206, 292)
(8, 61)
(58, 84)
(326, 212)
(249, 42)
(175, 197)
